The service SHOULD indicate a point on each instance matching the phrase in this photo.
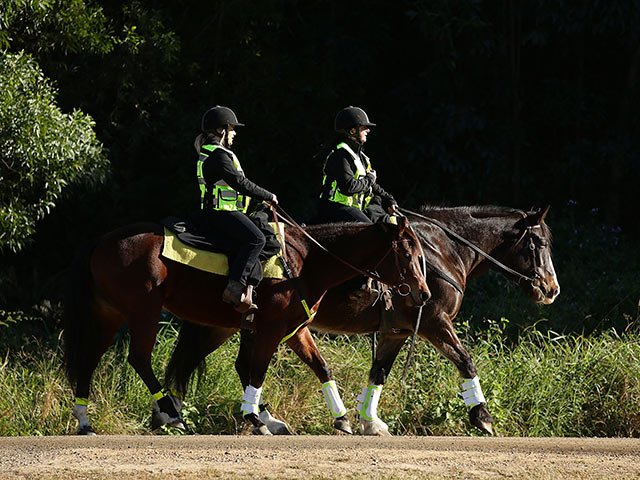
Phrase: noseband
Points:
(403, 288)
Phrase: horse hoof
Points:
(375, 427)
(177, 423)
(160, 419)
(86, 430)
(275, 426)
(342, 424)
(261, 430)
(480, 418)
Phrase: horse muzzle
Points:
(419, 296)
(545, 291)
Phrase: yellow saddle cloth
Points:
(217, 263)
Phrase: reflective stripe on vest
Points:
(359, 200)
(223, 197)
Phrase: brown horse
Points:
(122, 278)
(520, 241)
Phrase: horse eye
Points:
(407, 255)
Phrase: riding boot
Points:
(235, 295)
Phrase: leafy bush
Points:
(42, 150)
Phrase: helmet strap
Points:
(222, 135)
(356, 136)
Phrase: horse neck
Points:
(360, 245)
(486, 231)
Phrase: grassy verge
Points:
(545, 384)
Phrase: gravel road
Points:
(317, 457)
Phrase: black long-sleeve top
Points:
(341, 167)
(219, 166)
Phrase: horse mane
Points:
(329, 231)
(475, 211)
(479, 212)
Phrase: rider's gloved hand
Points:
(372, 174)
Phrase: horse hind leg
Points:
(194, 343)
(94, 347)
(143, 329)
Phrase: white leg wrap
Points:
(471, 392)
(250, 400)
(332, 397)
(368, 401)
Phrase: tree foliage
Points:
(477, 102)
(42, 149)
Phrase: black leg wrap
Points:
(166, 405)
(259, 428)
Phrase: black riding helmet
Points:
(217, 117)
(351, 117)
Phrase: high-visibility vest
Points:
(221, 196)
(359, 200)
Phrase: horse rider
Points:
(349, 182)
(225, 192)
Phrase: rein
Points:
(476, 249)
(291, 222)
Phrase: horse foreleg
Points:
(256, 350)
(388, 348)
(303, 345)
(243, 360)
(143, 337)
(441, 334)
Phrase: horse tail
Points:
(78, 321)
(194, 343)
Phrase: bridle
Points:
(402, 288)
(527, 232)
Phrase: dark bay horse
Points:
(122, 278)
(520, 240)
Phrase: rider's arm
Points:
(386, 199)
(340, 169)
(220, 166)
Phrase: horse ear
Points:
(541, 214)
(403, 223)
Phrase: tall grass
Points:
(544, 384)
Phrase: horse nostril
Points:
(424, 296)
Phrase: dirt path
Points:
(315, 457)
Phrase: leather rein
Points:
(403, 289)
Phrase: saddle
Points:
(183, 243)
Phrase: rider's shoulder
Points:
(216, 151)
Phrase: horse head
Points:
(531, 256)
(405, 267)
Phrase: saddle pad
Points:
(217, 263)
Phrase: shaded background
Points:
(508, 102)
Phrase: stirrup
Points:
(236, 295)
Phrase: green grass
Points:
(543, 384)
